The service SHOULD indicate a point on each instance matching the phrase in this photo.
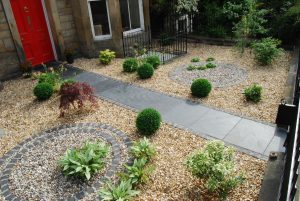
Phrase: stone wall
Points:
(68, 29)
(9, 62)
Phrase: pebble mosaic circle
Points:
(224, 75)
(108, 134)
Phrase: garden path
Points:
(250, 136)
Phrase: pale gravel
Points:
(23, 116)
(271, 78)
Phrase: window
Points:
(99, 16)
(132, 15)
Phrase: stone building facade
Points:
(87, 26)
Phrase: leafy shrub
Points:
(49, 77)
(106, 56)
(196, 59)
(191, 68)
(154, 61)
(84, 162)
(75, 94)
(120, 192)
(148, 121)
(138, 172)
(43, 91)
(210, 65)
(201, 87)
(210, 59)
(253, 93)
(130, 65)
(143, 149)
(201, 67)
(215, 164)
(145, 71)
(266, 50)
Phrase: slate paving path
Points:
(247, 135)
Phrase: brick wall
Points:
(9, 63)
(67, 24)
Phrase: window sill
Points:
(101, 38)
(132, 32)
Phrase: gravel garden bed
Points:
(21, 116)
(230, 98)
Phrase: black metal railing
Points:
(289, 178)
(167, 45)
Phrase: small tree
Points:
(251, 20)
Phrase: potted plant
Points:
(69, 54)
(26, 68)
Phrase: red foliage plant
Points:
(75, 94)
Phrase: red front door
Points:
(32, 27)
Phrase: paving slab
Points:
(251, 135)
(215, 123)
(139, 98)
(185, 113)
(277, 142)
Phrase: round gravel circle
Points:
(224, 75)
(30, 170)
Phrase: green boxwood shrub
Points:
(154, 61)
(201, 87)
(215, 165)
(253, 93)
(148, 121)
(130, 65)
(145, 71)
(266, 50)
(43, 91)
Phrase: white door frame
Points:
(49, 29)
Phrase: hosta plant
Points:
(106, 56)
(86, 161)
(216, 166)
(120, 192)
(138, 172)
(75, 94)
(143, 149)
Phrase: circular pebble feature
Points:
(30, 171)
(224, 75)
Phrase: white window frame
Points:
(141, 10)
(101, 37)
